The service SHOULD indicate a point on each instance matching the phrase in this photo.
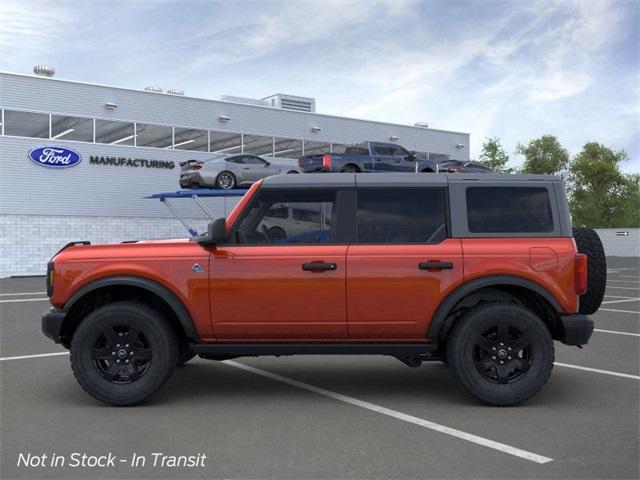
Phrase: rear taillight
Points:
(300, 162)
(581, 274)
(50, 278)
(326, 162)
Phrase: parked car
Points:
(460, 166)
(479, 271)
(231, 171)
(285, 223)
(370, 157)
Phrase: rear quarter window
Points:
(509, 210)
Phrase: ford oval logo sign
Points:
(55, 157)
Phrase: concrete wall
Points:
(616, 245)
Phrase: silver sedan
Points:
(231, 171)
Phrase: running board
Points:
(424, 351)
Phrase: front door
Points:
(281, 279)
(402, 263)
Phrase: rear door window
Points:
(414, 215)
(509, 210)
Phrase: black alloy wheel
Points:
(502, 354)
(121, 354)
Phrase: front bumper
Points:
(52, 324)
(575, 329)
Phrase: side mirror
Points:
(412, 156)
(216, 233)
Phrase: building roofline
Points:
(231, 103)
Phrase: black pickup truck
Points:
(372, 157)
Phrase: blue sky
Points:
(515, 70)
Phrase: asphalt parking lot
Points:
(327, 417)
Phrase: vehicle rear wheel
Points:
(501, 352)
(292, 172)
(123, 352)
(225, 180)
(588, 242)
(350, 169)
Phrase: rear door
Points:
(402, 263)
(280, 280)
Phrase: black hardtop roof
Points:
(327, 180)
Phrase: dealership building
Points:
(129, 144)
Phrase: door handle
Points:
(435, 265)
(318, 266)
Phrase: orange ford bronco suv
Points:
(479, 271)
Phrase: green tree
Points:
(601, 195)
(543, 155)
(494, 156)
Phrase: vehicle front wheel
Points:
(226, 180)
(349, 169)
(123, 352)
(501, 352)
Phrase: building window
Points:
(258, 145)
(114, 133)
(225, 142)
(26, 124)
(157, 136)
(401, 216)
(190, 139)
(509, 210)
(71, 128)
(287, 148)
(315, 148)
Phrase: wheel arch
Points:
(107, 290)
(354, 165)
(492, 288)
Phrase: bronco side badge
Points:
(197, 268)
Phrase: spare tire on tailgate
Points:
(588, 242)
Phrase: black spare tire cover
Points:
(588, 242)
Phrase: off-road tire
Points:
(160, 345)
(462, 349)
(588, 242)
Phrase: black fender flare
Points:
(440, 317)
(163, 292)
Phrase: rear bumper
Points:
(52, 324)
(575, 329)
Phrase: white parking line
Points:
(616, 332)
(623, 281)
(18, 300)
(40, 355)
(618, 311)
(22, 293)
(597, 370)
(628, 276)
(620, 301)
(616, 287)
(533, 457)
(615, 296)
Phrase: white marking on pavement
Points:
(533, 457)
(623, 288)
(623, 281)
(628, 276)
(618, 311)
(22, 293)
(616, 332)
(17, 300)
(40, 355)
(597, 370)
(620, 301)
(615, 296)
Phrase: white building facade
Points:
(130, 143)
